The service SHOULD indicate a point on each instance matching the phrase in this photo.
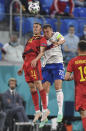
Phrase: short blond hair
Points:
(12, 79)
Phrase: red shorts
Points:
(80, 99)
(32, 74)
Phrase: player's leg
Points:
(42, 92)
(46, 86)
(83, 116)
(58, 74)
(46, 82)
(29, 77)
(59, 95)
(35, 99)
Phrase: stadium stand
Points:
(46, 4)
(2, 11)
(27, 24)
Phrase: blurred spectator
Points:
(80, 3)
(12, 50)
(70, 45)
(24, 6)
(13, 103)
(2, 115)
(59, 7)
(83, 37)
(1, 45)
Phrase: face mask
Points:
(84, 32)
(14, 44)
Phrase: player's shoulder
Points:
(74, 59)
(56, 34)
(6, 45)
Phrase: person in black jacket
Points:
(13, 102)
(2, 115)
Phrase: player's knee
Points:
(32, 89)
(83, 113)
(31, 85)
(38, 85)
(57, 87)
(46, 86)
(47, 89)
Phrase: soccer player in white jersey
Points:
(52, 66)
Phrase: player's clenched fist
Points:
(33, 63)
(20, 71)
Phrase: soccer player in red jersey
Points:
(33, 51)
(77, 65)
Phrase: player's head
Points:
(47, 29)
(12, 83)
(37, 28)
(82, 47)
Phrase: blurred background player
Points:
(33, 51)
(53, 69)
(83, 37)
(77, 65)
(70, 45)
(12, 50)
(59, 7)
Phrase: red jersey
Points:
(78, 66)
(33, 45)
(60, 5)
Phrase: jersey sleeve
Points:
(70, 66)
(43, 42)
(58, 35)
(5, 47)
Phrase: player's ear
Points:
(41, 29)
(51, 29)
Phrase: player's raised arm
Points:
(60, 40)
(43, 45)
(41, 53)
(69, 76)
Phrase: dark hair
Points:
(46, 26)
(71, 26)
(82, 45)
(38, 23)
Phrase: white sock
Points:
(60, 98)
(38, 111)
(47, 98)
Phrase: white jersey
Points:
(53, 55)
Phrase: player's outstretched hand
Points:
(33, 63)
(20, 71)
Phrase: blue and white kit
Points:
(52, 64)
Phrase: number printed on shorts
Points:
(82, 73)
(33, 74)
(61, 73)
